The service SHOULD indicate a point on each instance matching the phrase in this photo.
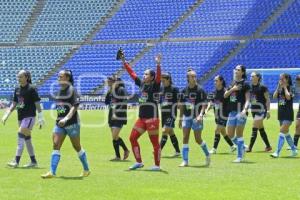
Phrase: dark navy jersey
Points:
(193, 99)
(117, 102)
(169, 100)
(237, 99)
(220, 103)
(149, 99)
(285, 107)
(65, 99)
(25, 98)
(257, 98)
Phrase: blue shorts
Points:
(189, 122)
(234, 119)
(71, 130)
(285, 122)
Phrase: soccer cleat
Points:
(184, 164)
(155, 168)
(48, 175)
(115, 159)
(13, 164)
(30, 165)
(126, 154)
(238, 160)
(248, 150)
(232, 148)
(294, 153)
(85, 173)
(207, 161)
(213, 151)
(268, 149)
(136, 166)
(289, 148)
(274, 155)
(176, 155)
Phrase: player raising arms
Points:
(148, 111)
(239, 96)
(67, 123)
(284, 95)
(27, 101)
(169, 112)
(192, 108)
(260, 109)
(117, 116)
(220, 104)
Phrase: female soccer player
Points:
(297, 131)
(192, 108)
(67, 123)
(284, 95)
(239, 97)
(260, 108)
(117, 116)
(148, 112)
(220, 104)
(169, 112)
(27, 101)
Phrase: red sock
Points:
(135, 145)
(155, 143)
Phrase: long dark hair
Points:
(243, 68)
(28, 76)
(69, 74)
(168, 76)
(258, 76)
(221, 78)
(152, 73)
(288, 78)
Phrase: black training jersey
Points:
(117, 102)
(257, 98)
(285, 107)
(237, 99)
(65, 99)
(169, 99)
(25, 98)
(149, 99)
(193, 99)
(220, 103)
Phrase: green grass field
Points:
(259, 178)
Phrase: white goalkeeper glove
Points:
(5, 117)
(41, 121)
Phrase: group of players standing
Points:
(231, 106)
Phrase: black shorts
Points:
(116, 124)
(221, 121)
(167, 122)
(263, 115)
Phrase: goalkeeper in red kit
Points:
(148, 119)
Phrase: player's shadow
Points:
(147, 170)
(245, 162)
(197, 166)
(225, 153)
(120, 161)
(74, 178)
(25, 168)
(171, 157)
(262, 152)
(290, 157)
